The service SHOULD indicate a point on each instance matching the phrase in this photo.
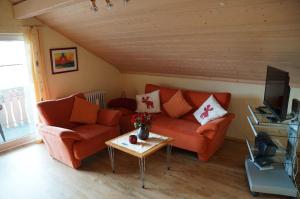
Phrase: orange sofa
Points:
(71, 142)
(187, 132)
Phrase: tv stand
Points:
(280, 178)
(272, 119)
(261, 110)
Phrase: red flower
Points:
(141, 119)
(133, 118)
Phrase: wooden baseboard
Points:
(17, 143)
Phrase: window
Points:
(17, 113)
(13, 73)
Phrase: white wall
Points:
(94, 73)
(242, 95)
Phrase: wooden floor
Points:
(29, 173)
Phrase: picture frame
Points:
(64, 60)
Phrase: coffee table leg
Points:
(142, 164)
(111, 153)
(169, 152)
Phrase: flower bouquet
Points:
(142, 121)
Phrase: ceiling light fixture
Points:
(109, 4)
(94, 7)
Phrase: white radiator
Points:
(96, 97)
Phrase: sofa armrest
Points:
(58, 132)
(210, 129)
(109, 117)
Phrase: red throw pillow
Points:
(109, 117)
(177, 105)
(84, 112)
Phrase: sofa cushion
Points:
(109, 117)
(209, 110)
(148, 103)
(84, 112)
(194, 98)
(165, 93)
(177, 105)
(197, 98)
(184, 132)
(58, 112)
(94, 138)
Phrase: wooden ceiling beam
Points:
(31, 8)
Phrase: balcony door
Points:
(17, 101)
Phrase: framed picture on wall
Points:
(64, 60)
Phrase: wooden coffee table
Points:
(141, 150)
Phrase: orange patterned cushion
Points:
(177, 105)
(84, 112)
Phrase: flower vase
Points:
(143, 133)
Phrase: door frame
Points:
(32, 137)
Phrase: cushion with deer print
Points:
(209, 110)
(148, 103)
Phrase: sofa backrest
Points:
(58, 112)
(194, 98)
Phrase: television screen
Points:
(277, 91)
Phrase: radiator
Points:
(95, 97)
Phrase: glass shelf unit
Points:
(278, 158)
(271, 129)
(285, 135)
(260, 122)
(262, 118)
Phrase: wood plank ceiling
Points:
(234, 39)
(16, 1)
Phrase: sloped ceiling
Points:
(16, 1)
(234, 39)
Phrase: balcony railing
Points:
(13, 111)
(14, 116)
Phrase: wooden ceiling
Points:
(16, 1)
(234, 39)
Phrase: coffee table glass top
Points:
(142, 148)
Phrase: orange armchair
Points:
(71, 142)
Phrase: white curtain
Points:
(36, 63)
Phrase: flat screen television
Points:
(277, 92)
